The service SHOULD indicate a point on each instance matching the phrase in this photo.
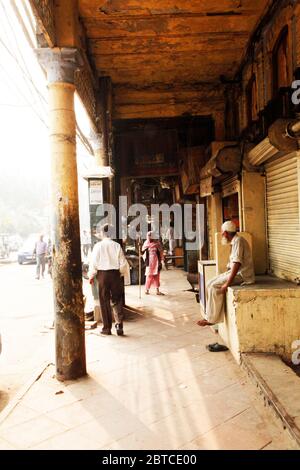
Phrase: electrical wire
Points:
(12, 81)
(26, 74)
(21, 22)
(83, 139)
(31, 86)
(79, 133)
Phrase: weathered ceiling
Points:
(139, 43)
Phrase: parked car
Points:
(26, 253)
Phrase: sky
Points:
(24, 143)
(24, 137)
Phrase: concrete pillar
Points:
(61, 65)
(254, 217)
(216, 217)
(98, 146)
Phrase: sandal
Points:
(159, 293)
(204, 323)
(216, 347)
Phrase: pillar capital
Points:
(60, 63)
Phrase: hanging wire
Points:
(31, 86)
(25, 74)
(17, 48)
(12, 81)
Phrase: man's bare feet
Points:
(204, 323)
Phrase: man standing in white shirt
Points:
(85, 240)
(40, 250)
(171, 238)
(240, 271)
(108, 263)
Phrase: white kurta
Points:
(240, 253)
(171, 239)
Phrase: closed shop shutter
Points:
(283, 217)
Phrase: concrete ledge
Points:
(263, 317)
(280, 387)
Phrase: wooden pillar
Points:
(105, 106)
(219, 125)
(103, 123)
(61, 65)
(112, 190)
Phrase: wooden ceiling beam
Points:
(150, 77)
(182, 87)
(151, 27)
(125, 96)
(116, 8)
(160, 110)
(178, 59)
(160, 16)
(167, 44)
(143, 43)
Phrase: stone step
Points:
(280, 387)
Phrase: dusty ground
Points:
(25, 309)
(156, 388)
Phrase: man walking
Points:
(171, 239)
(108, 264)
(240, 271)
(85, 243)
(40, 250)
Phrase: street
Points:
(26, 309)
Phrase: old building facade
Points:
(189, 102)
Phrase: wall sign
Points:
(96, 192)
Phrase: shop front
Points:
(282, 195)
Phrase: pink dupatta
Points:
(153, 247)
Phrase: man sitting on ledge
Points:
(240, 271)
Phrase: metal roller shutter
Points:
(283, 217)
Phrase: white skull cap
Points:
(229, 226)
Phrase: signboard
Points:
(96, 192)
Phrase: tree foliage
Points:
(24, 204)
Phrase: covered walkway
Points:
(155, 388)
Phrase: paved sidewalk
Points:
(155, 388)
(26, 307)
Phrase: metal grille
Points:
(283, 217)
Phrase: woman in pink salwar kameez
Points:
(154, 256)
